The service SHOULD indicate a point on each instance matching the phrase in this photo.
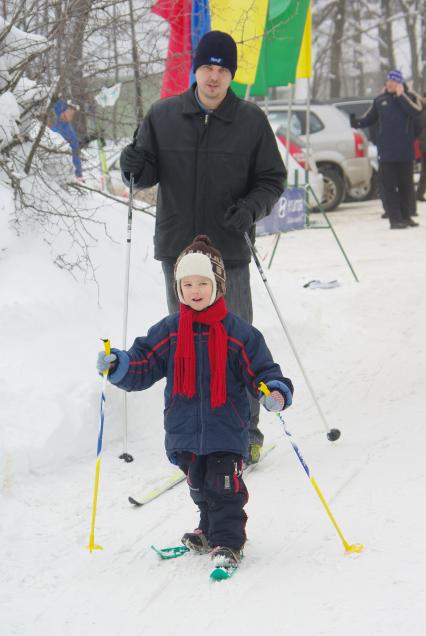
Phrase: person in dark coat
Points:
(210, 358)
(396, 112)
(421, 186)
(216, 161)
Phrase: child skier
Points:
(209, 356)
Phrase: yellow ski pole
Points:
(355, 547)
(92, 545)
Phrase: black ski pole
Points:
(332, 433)
(125, 455)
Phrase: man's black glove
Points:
(132, 160)
(353, 120)
(238, 218)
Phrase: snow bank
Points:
(50, 389)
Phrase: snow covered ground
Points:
(363, 348)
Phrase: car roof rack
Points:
(285, 102)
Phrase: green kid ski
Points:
(170, 553)
(221, 573)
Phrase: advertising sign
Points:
(287, 214)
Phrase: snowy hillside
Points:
(363, 347)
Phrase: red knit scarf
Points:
(184, 375)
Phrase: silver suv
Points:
(341, 153)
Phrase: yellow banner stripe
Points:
(304, 64)
(245, 21)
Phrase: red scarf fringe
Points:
(185, 372)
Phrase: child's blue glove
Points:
(273, 402)
(105, 362)
(280, 396)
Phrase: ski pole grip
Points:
(107, 349)
(262, 387)
(107, 346)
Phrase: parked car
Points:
(300, 168)
(339, 151)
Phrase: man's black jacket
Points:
(204, 163)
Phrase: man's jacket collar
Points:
(226, 110)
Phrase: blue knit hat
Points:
(396, 76)
(216, 47)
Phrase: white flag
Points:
(108, 96)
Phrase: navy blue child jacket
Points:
(192, 424)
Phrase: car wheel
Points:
(364, 193)
(334, 188)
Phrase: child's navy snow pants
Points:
(217, 487)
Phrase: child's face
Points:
(196, 291)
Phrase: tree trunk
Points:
(117, 73)
(74, 75)
(136, 66)
(336, 49)
(410, 25)
(386, 48)
(423, 49)
(358, 53)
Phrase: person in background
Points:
(421, 186)
(218, 168)
(417, 130)
(210, 358)
(397, 113)
(62, 124)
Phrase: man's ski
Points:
(178, 476)
(264, 451)
(169, 483)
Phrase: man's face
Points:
(213, 82)
(391, 86)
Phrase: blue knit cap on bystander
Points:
(395, 76)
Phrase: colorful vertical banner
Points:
(245, 21)
(178, 62)
(304, 64)
(200, 25)
(190, 19)
(280, 48)
(268, 36)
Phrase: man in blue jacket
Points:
(396, 112)
(64, 115)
